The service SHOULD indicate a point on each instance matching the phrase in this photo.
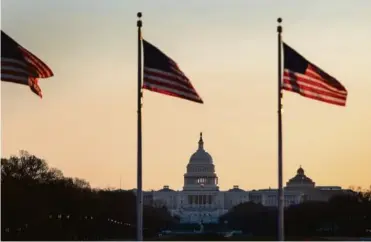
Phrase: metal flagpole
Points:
(281, 205)
(139, 164)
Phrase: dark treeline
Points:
(344, 215)
(39, 203)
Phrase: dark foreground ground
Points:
(216, 237)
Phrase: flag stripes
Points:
(310, 81)
(311, 87)
(162, 75)
(18, 65)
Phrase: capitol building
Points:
(201, 201)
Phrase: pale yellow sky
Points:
(86, 123)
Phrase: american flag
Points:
(310, 81)
(162, 75)
(18, 65)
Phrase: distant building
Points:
(202, 201)
(304, 184)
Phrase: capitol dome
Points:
(200, 173)
(201, 156)
(300, 180)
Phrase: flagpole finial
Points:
(279, 27)
(139, 22)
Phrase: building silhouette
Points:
(201, 201)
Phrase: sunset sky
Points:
(85, 124)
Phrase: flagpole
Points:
(139, 161)
(281, 205)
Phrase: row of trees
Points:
(344, 215)
(40, 203)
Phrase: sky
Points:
(86, 123)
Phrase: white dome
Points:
(201, 156)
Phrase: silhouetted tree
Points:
(252, 218)
(39, 203)
(342, 215)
